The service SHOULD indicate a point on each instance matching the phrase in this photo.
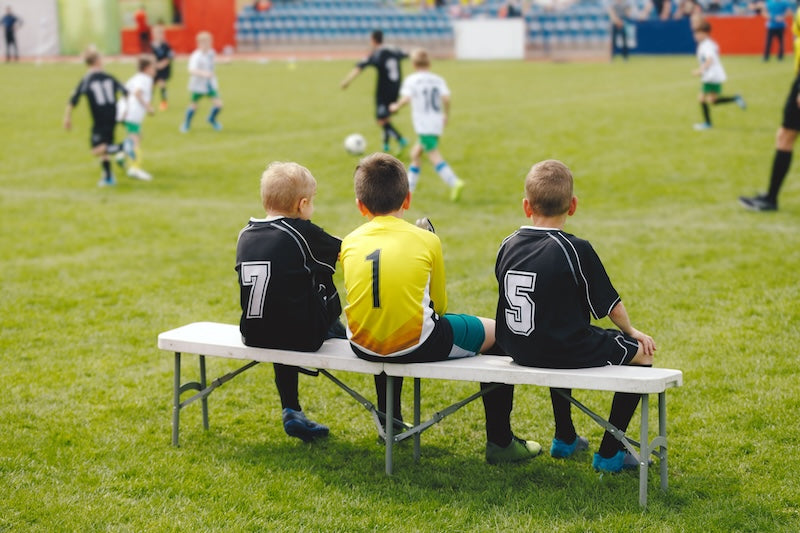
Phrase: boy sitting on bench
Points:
(285, 265)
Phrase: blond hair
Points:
(420, 58)
(548, 188)
(283, 185)
(381, 183)
(204, 36)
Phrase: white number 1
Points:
(256, 274)
(518, 287)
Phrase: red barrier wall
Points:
(745, 35)
(215, 16)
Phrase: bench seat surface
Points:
(224, 340)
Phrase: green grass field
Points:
(91, 276)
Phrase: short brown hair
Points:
(703, 26)
(91, 56)
(420, 58)
(145, 60)
(283, 185)
(548, 187)
(381, 183)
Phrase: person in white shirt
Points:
(203, 81)
(711, 73)
(430, 104)
(131, 112)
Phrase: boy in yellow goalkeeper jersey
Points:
(395, 282)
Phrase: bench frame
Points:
(204, 339)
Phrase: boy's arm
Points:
(68, 117)
(446, 106)
(619, 316)
(438, 292)
(139, 95)
(353, 74)
(394, 107)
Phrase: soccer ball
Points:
(355, 144)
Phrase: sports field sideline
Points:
(90, 276)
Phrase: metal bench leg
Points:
(389, 423)
(662, 432)
(176, 399)
(417, 401)
(644, 452)
(203, 387)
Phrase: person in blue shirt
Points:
(11, 23)
(775, 11)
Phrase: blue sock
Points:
(212, 117)
(189, 115)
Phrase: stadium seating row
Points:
(352, 20)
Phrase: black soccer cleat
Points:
(758, 203)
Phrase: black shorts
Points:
(437, 347)
(102, 134)
(791, 111)
(163, 74)
(382, 102)
(602, 347)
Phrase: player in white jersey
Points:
(429, 96)
(131, 112)
(712, 75)
(203, 81)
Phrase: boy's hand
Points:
(648, 344)
(393, 107)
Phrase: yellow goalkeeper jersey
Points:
(394, 278)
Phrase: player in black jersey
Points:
(782, 160)
(386, 60)
(550, 282)
(164, 56)
(285, 265)
(101, 89)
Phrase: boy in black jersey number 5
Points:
(285, 265)
(550, 283)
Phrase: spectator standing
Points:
(619, 11)
(775, 11)
(142, 29)
(11, 24)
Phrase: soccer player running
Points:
(101, 89)
(133, 111)
(386, 60)
(429, 96)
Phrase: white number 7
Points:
(518, 287)
(256, 274)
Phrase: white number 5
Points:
(256, 274)
(518, 287)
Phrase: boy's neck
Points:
(556, 222)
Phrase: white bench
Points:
(224, 340)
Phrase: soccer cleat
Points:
(120, 159)
(107, 181)
(740, 101)
(386, 147)
(216, 125)
(401, 145)
(183, 128)
(139, 174)
(702, 126)
(295, 424)
(561, 450)
(518, 450)
(758, 203)
(163, 105)
(425, 223)
(622, 460)
(455, 190)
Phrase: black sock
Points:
(562, 414)
(780, 167)
(497, 407)
(724, 100)
(380, 389)
(622, 408)
(393, 132)
(386, 135)
(163, 94)
(286, 382)
(706, 113)
(106, 164)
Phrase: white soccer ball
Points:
(355, 144)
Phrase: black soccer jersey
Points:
(386, 61)
(550, 283)
(101, 89)
(285, 269)
(163, 51)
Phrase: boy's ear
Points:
(526, 207)
(573, 205)
(407, 201)
(362, 208)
